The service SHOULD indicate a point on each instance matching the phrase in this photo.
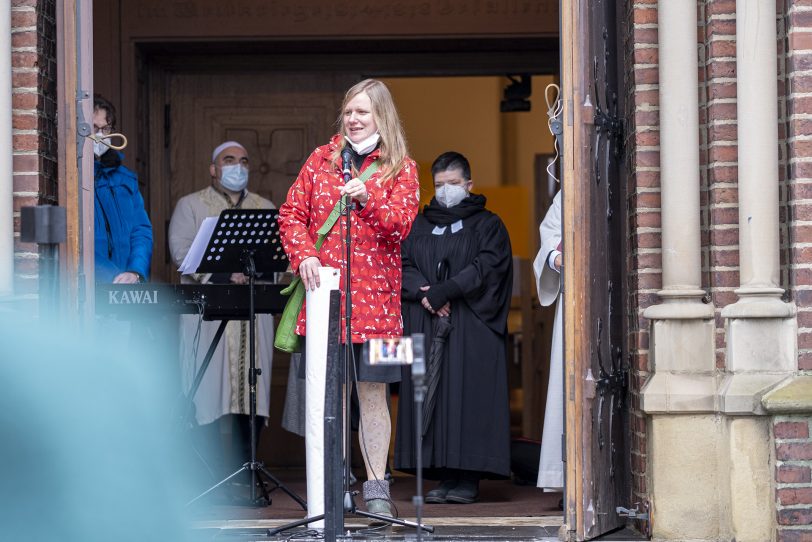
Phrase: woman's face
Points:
(359, 123)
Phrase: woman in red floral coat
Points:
(385, 207)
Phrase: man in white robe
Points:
(547, 268)
(224, 390)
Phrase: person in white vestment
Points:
(547, 269)
(222, 401)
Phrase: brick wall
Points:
(643, 192)
(718, 158)
(716, 40)
(793, 446)
(34, 122)
(797, 193)
(793, 477)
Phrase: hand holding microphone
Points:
(353, 188)
(356, 190)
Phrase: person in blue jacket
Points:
(123, 233)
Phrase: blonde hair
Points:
(393, 140)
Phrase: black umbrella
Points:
(442, 327)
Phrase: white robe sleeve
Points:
(548, 283)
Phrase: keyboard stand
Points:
(187, 418)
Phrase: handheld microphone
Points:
(346, 161)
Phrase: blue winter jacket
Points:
(123, 233)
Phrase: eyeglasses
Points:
(107, 129)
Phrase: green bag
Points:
(286, 338)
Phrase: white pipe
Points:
(679, 149)
(756, 65)
(6, 158)
(318, 316)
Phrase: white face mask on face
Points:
(365, 146)
(100, 147)
(234, 177)
(449, 195)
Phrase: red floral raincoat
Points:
(378, 228)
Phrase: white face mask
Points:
(365, 146)
(100, 147)
(449, 195)
(234, 177)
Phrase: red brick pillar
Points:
(791, 430)
(33, 45)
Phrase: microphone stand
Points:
(419, 385)
(349, 503)
(346, 173)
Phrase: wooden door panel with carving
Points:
(279, 117)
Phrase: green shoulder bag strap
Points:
(332, 218)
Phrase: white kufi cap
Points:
(223, 146)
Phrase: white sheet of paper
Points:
(193, 258)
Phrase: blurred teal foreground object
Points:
(89, 450)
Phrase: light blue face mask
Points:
(449, 195)
(100, 144)
(234, 177)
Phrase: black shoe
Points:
(466, 492)
(438, 494)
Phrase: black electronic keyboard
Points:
(214, 301)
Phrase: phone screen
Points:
(391, 351)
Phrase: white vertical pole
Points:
(318, 317)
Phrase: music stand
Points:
(247, 241)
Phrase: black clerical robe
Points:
(470, 427)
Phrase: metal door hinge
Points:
(631, 514)
(83, 128)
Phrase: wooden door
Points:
(597, 371)
(280, 117)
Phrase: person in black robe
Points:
(457, 264)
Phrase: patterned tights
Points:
(375, 427)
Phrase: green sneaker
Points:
(382, 507)
(376, 497)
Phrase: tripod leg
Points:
(396, 521)
(279, 485)
(218, 484)
(299, 523)
(257, 479)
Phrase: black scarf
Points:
(437, 214)
(110, 159)
(358, 159)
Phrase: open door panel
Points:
(596, 367)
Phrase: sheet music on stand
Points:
(220, 242)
